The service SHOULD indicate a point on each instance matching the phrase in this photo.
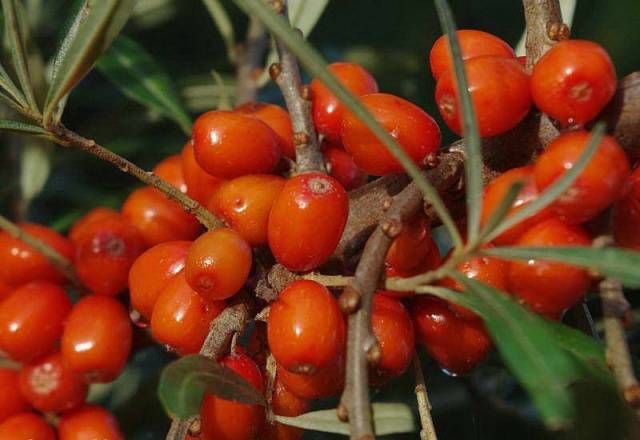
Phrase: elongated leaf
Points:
(130, 67)
(35, 166)
(618, 263)
(503, 209)
(224, 25)
(10, 88)
(22, 128)
(388, 418)
(304, 14)
(184, 382)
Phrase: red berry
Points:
(326, 382)
(410, 250)
(89, 422)
(278, 119)
(170, 170)
(342, 167)
(626, 214)
(200, 184)
(307, 220)
(415, 131)
(284, 403)
(26, 426)
(83, 223)
(432, 261)
(573, 81)
(11, 401)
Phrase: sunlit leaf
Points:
(22, 128)
(35, 166)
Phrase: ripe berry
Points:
(5, 290)
(327, 110)
(20, 263)
(89, 422)
(218, 264)
(11, 401)
(599, 184)
(278, 119)
(170, 170)
(284, 403)
(473, 43)
(326, 382)
(499, 90)
(431, 262)
(181, 317)
(305, 328)
(410, 250)
(342, 167)
(626, 214)
(152, 271)
(227, 420)
(26, 426)
(50, 386)
(97, 338)
(307, 220)
(31, 320)
(546, 287)
(200, 184)
(232, 144)
(244, 204)
(83, 223)
(415, 131)
(573, 81)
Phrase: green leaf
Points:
(92, 30)
(224, 102)
(22, 128)
(35, 166)
(621, 264)
(10, 88)
(224, 25)
(502, 210)
(130, 67)
(388, 418)
(184, 382)
(304, 14)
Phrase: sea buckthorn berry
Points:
(499, 90)
(32, 319)
(5, 290)
(83, 223)
(278, 119)
(546, 287)
(227, 420)
(573, 81)
(328, 111)
(218, 264)
(599, 184)
(104, 254)
(284, 403)
(170, 170)
(89, 422)
(410, 250)
(305, 328)
(158, 218)
(200, 184)
(232, 144)
(244, 203)
(97, 338)
(342, 167)
(326, 382)
(50, 386)
(181, 317)
(473, 43)
(20, 263)
(26, 426)
(495, 192)
(307, 220)
(415, 131)
(456, 344)
(152, 271)
(432, 261)
(11, 401)
(626, 214)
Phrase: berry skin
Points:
(158, 218)
(499, 92)
(170, 170)
(20, 263)
(573, 81)
(84, 223)
(244, 203)
(284, 403)
(599, 184)
(200, 184)
(97, 338)
(327, 110)
(495, 192)
(32, 319)
(307, 220)
(152, 271)
(456, 344)
(218, 264)
(181, 317)
(11, 401)
(626, 214)
(432, 261)
(26, 426)
(227, 420)
(50, 386)
(305, 329)
(415, 131)
(5, 290)
(342, 167)
(473, 43)
(89, 422)
(326, 382)
(278, 119)
(410, 250)
(231, 144)
(549, 288)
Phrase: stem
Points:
(250, 59)
(329, 280)
(544, 27)
(271, 368)
(428, 431)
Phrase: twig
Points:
(428, 431)
(271, 380)
(250, 61)
(544, 27)
(328, 280)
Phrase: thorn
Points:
(343, 413)
(558, 31)
(391, 227)
(195, 427)
(305, 92)
(387, 203)
(274, 71)
(300, 138)
(349, 301)
(632, 395)
(374, 353)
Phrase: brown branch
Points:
(250, 62)
(544, 27)
(428, 431)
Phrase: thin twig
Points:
(271, 380)
(250, 61)
(544, 27)
(328, 280)
(428, 431)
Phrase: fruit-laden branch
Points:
(250, 61)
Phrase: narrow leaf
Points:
(224, 25)
(502, 210)
(35, 166)
(22, 128)
(10, 88)
(304, 14)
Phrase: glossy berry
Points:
(410, 250)
(573, 81)
(626, 214)
(50, 386)
(232, 144)
(84, 223)
(227, 420)
(305, 329)
(170, 170)
(328, 111)
(244, 203)
(307, 220)
(97, 338)
(11, 401)
(284, 403)
(181, 317)
(152, 271)
(326, 382)
(278, 119)
(31, 320)
(5, 290)
(499, 90)
(547, 287)
(415, 131)
(20, 263)
(200, 184)
(473, 43)
(89, 422)
(432, 261)
(26, 426)
(218, 264)
(342, 167)
(599, 184)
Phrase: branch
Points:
(249, 62)
(544, 27)
(428, 431)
